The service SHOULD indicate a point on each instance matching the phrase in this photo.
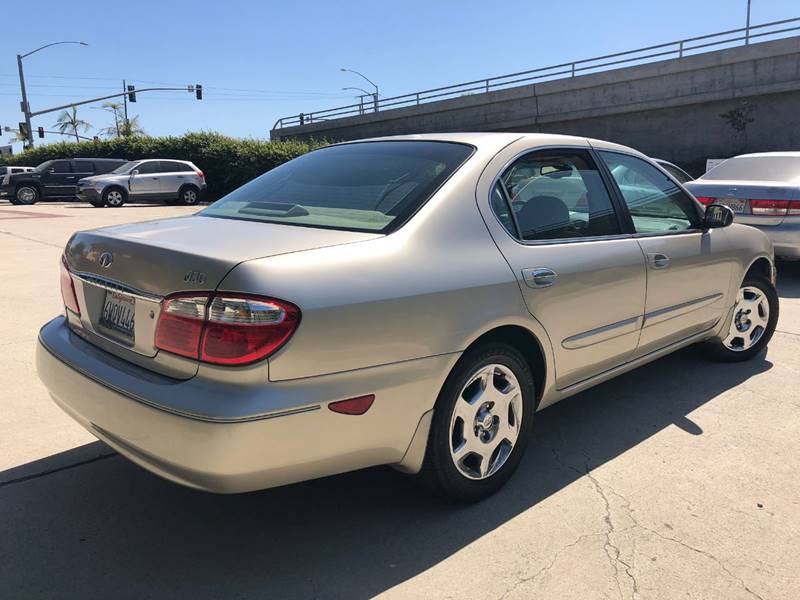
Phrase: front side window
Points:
(366, 186)
(655, 202)
(61, 166)
(147, 168)
(556, 194)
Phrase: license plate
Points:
(735, 204)
(118, 312)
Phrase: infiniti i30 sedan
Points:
(410, 301)
(763, 190)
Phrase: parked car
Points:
(393, 302)
(763, 190)
(54, 178)
(6, 172)
(679, 174)
(145, 180)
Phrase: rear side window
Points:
(556, 194)
(366, 186)
(656, 204)
(171, 166)
(84, 166)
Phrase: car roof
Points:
(501, 139)
(96, 159)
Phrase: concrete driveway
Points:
(678, 480)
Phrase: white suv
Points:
(145, 180)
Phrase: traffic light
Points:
(198, 91)
(131, 93)
(23, 130)
(40, 130)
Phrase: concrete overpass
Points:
(669, 109)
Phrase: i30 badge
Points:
(105, 260)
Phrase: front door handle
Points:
(539, 277)
(658, 260)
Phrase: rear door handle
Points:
(539, 277)
(658, 260)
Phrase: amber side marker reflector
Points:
(353, 406)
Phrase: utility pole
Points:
(747, 31)
(125, 100)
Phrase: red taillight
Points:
(180, 324)
(705, 200)
(794, 207)
(232, 329)
(773, 208)
(200, 174)
(353, 406)
(68, 289)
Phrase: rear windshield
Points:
(366, 186)
(757, 168)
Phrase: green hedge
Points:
(227, 162)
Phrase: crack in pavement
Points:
(22, 237)
(57, 469)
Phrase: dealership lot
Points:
(676, 480)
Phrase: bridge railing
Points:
(677, 49)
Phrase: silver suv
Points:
(145, 180)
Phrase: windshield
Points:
(45, 165)
(126, 167)
(367, 186)
(757, 168)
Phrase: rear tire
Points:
(189, 195)
(481, 424)
(114, 197)
(26, 194)
(752, 324)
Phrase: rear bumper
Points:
(260, 437)
(784, 237)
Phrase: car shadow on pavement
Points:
(789, 279)
(106, 528)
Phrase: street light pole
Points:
(368, 80)
(26, 109)
(360, 97)
(747, 31)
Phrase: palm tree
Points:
(116, 108)
(68, 122)
(131, 127)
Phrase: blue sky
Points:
(260, 60)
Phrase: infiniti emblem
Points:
(105, 260)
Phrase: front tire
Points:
(26, 194)
(481, 424)
(114, 197)
(752, 324)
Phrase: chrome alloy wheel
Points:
(750, 318)
(189, 197)
(114, 198)
(486, 421)
(26, 194)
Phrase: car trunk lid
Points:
(121, 273)
(739, 194)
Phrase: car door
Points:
(59, 180)
(147, 182)
(81, 169)
(581, 276)
(688, 269)
(173, 176)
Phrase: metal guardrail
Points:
(677, 49)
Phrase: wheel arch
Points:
(528, 345)
(760, 266)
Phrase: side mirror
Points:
(134, 173)
(717, 215)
